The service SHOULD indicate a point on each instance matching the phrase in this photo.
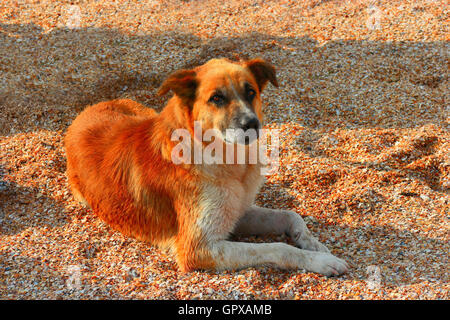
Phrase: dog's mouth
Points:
(239, 136)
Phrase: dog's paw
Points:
(302, 237)
(326, 264)
(310, 243)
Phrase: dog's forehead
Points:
(223, 64)
(221, 72)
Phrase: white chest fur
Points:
(224, 201)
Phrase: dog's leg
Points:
(237, 255)
(261, 221)
(74, 183)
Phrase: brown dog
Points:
(119, 162)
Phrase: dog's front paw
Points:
(326, 264)
(308, 242)
(302, 237)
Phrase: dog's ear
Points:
(183, 83)
(262, 71)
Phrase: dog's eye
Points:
(217, 99)
(251, 94)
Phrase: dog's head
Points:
(224, 95)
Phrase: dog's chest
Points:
(223, 203)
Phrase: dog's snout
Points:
(249, 123)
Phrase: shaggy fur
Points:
(119, 163)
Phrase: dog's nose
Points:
(250, 123)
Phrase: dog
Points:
(119, 164)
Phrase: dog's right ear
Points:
(183, 83)
(263, 72)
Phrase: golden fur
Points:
(119, 162)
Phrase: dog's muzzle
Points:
(244, 130)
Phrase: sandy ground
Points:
(364, 119)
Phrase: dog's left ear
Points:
(183, 83)
(262, 71)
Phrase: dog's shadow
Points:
(73, 72)
(24, 207)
